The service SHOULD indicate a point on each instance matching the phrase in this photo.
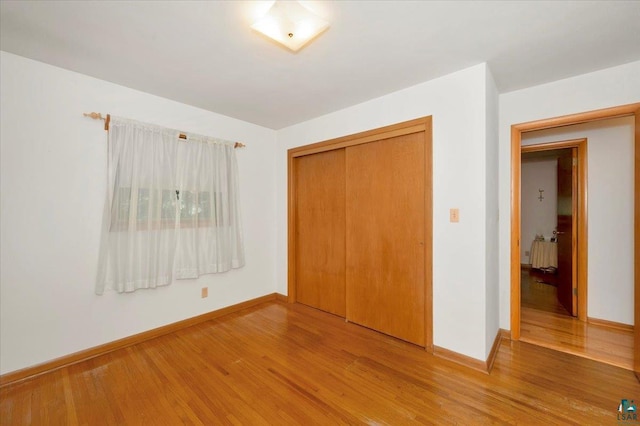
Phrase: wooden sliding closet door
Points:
(385, 183)
(320, 231)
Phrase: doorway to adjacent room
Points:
(564, 331)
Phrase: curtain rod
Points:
(107, 120)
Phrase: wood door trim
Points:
(583, 219)
(291, 228)
(428, 235)
(423, 124)
(387, 132)
(516, 138)
(550, 146)
(636, 250)
(579, 118)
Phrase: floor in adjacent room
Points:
(280, 363)
(545, 322)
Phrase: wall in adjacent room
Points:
(53, 181)
(538, 217)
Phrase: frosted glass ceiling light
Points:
(291, 24)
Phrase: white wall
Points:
(601, 89)
(492, 217)
(610, 175)
(538, 217)
(53, 178)
(458, 105)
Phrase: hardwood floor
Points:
(539, 291)
(291, 364)
(545, 322)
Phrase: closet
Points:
(360, 229)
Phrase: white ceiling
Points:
(203, 53)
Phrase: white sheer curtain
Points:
(210, 233)
(170, 203)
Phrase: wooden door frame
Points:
(423, 124)
(580, 213)
(516, 141)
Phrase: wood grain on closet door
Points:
(320, 231)
(385, 236)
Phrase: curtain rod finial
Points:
(94, 115)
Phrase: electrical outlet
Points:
(454, 215)
(205, 292)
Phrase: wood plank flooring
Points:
(539, 291)
(545, 322)
(291, 364)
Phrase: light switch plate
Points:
(454, 215)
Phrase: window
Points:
(173, 208)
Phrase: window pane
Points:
(121, 208)
(204, 206)
(143, 205)
(188, 207)
(168, 208)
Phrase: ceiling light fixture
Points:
(291, 24)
